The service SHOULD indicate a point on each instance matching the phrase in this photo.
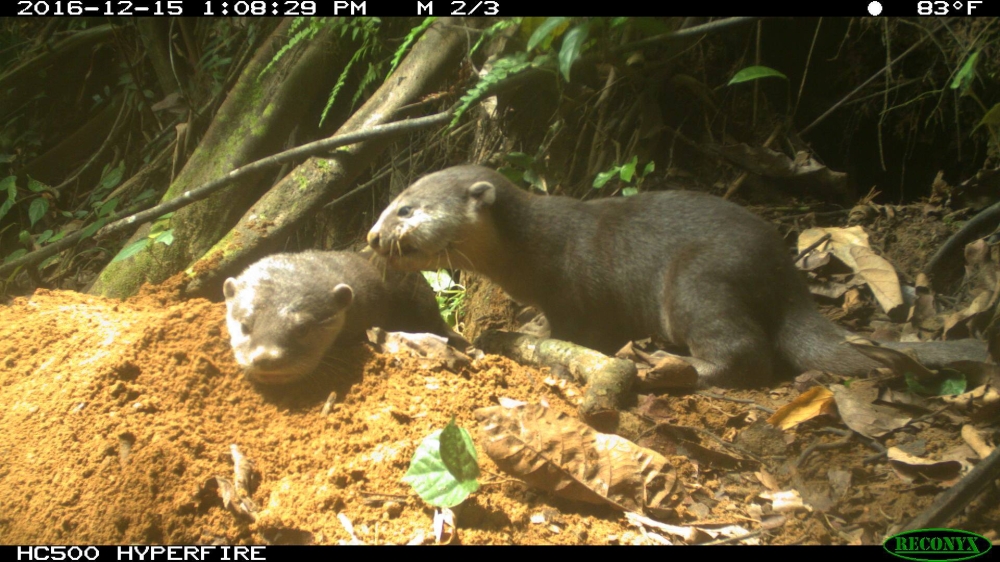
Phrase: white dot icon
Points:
(875, 8)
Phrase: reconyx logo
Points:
(935, 545)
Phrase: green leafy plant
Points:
(444, 469)
(626, 173)
(751, 73)
(954, 383)
(450, 295)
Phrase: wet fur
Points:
(699, 271)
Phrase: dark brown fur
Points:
(697, 270)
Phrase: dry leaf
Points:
(814, 402)
(554, 452)
(850, 245)
(909, 467)
(861, 415)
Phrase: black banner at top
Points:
(491, 8)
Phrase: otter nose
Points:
(373, 239)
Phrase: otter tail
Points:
(808, 340)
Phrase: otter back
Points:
(286, 310)
(699, 271)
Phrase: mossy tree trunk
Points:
(257, 117)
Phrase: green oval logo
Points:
(935, 545)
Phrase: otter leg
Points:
(728, 347)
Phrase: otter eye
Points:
(404, 211)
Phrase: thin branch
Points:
(310, 149)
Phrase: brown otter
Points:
(286, 310)
(699, 271)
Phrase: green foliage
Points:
(545, 33)
(501, 70)
(522, 167)
(755, 73)
(572, 46)
(411, 37)
(367, 28)
(445, 468)
(492, 30)
(954, 383)
(626, 173)
(964, 77)
(450, 295)
(302, 29)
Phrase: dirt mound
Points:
(116, 414)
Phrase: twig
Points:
(843, 100)
(823, 447)
(811, 247)
(310, 149)
(730, 540)
(737, 400)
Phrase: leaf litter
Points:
(122, 416)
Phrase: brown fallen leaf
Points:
(559, 454)
(861, 415)
(850, 246)
(910, 468)
(814, 402)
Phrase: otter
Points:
(285, 311)
(703, 273)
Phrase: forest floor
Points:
(118, 416)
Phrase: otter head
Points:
(438, 221)
(281, 322)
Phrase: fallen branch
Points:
(956, 498)
(608, 379)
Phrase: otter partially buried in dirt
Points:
(286, 310)
(697, 270)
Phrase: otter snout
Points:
(374, 240)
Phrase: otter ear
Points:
(229, 288)
(484, 192)
(343, 295)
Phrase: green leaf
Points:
(571, 46)
(991, 119)
(165, 237)
(112, 177)
(954, 383)
(36, 186)
(15, 254)
(513, 174)
(107, 208)
(43, 237)
(89, 230)
(37, 210)
(519, 159)
(432, 479)
(755, 73)
(630, 191)
(59, 236)
(604, 177)
(546, 31)
(458, 453)
(649, 168)
(5, 207)
(131, 250)
(963, 79)
(8, 183)
(628, 170)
